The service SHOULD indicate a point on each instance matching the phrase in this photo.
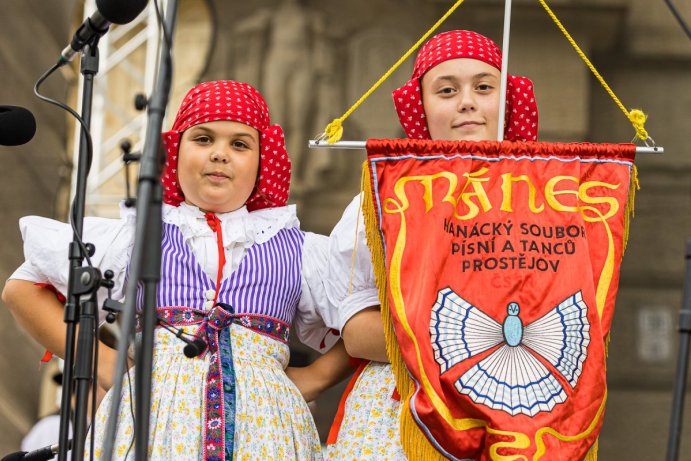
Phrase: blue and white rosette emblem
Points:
(511, 378)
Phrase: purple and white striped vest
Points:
(266, 283)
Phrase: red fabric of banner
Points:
(502, 265)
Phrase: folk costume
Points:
(367, 426)
(237, 280)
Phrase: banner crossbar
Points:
(316, 144)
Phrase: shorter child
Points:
(236, 271)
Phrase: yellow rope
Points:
(334, 130)
(635, 116)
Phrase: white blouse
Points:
(350, 283)
(46, 244)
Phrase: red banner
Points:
(498, 265)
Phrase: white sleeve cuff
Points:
(355, 303)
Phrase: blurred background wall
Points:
(312, 60)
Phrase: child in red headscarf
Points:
(453, 94)
(236, 271)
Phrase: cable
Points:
(134, 430)
(193, 347)
(678, 17)
(89, 149)
(94, 390)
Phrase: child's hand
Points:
(107, 359)
(304, 380)
(329, 369)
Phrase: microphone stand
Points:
(682, 363)
(82, 282)
(145, 264)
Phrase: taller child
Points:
(453, 94)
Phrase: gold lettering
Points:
(585, 198)
(507, 180)
(474, 182)
(551, 194)
(427, 196)
(474, 197)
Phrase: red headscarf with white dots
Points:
(521, 109)
(238, 102)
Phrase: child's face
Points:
(461, 100)
(218, 163)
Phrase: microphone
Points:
(17, 125)
(194, 348)
(42, 454)
(107, 12)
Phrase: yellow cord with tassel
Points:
(635, 116)
(334, 130)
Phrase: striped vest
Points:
(267, 282)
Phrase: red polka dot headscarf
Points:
(521, 108)
(238, 102)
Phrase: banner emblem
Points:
(511, 378)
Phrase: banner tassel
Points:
(415, 444)
(630, 209)
(592, 454)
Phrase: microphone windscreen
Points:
(16, 456)
(194, 349)
(17, 125)
(120, 11)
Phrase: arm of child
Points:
(316, 321)
(316, 324)
(329, 369)
(46, 244)
(363, 335)
(351, 288)
(38, 311)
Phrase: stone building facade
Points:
(313, 59)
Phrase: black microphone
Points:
(194, 348)
(107, 12)
(17, 125)
(42, 454)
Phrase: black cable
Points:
(178, 332)
(89, 149)
(678, 17)
(134, 430)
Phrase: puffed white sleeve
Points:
(350, 284)
(46, 248)
(316, 320)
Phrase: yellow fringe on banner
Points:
(415, 444)
(592, 454)
(629, 213)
